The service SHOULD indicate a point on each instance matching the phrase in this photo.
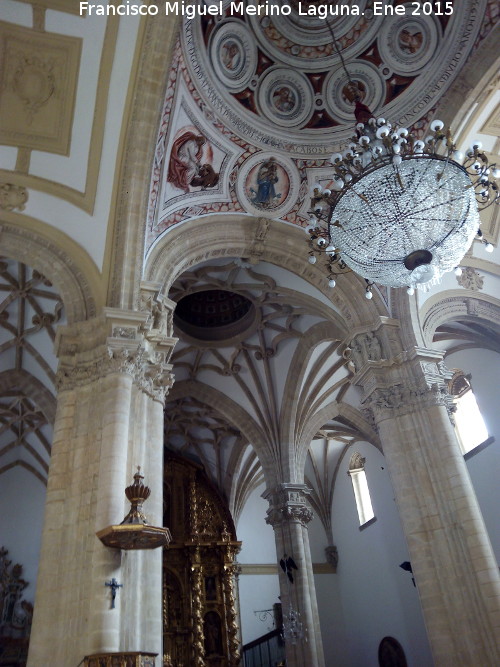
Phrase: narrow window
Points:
(469, 423)
(360, 487)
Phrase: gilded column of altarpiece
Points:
(199, 596)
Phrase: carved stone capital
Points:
(288, 503)
(114, 343)
(401, 399)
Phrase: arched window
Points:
(469, 423)
(360, 487)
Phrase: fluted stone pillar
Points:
(453, 564)
(112, 380)
(289, 515)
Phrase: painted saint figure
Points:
(410, 42)
(267, 176)
(230, 55)
(284, 99)
(185, 168)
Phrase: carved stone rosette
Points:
(288, 504)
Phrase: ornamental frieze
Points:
(399, 399)
(148, 370)
(288, 504)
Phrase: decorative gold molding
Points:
(86, 199)
(68, 6)
(38, 79)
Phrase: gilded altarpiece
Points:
(200, 627)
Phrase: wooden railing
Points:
(266, 651)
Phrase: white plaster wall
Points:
(257, 592)
(484, 466)
(377, 597)
(22, 502)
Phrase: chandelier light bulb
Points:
(495, 172)
(488, 247)
(382, 132)
(332, 282)
(336, 157)
(476, 146)
(437, 125)
(410, 291)
(312, 259)
(368, 294)
(458, 271)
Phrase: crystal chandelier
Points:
(397, 210)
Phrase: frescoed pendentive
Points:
(193, 161)
(408, 43)
(285, 97)
(267, 185)
(233, 54)
(338, 94)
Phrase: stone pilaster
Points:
(289, 516)
(113, 376)
(455, 571)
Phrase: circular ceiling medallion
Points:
(233, 55)
(285, 97)
(303, 38)
(408, 43)
(337, 90)
(214, 315)
(267, 185)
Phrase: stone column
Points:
(112, 380)
(453, 564)
(289, 515)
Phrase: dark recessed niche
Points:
(214, 315)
